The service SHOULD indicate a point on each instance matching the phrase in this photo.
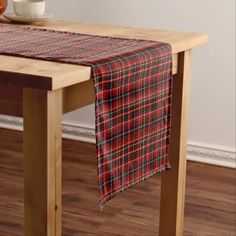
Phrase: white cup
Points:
(29, 8)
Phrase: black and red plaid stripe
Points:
(132, 81)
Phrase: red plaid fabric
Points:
(132, 80)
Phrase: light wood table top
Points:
(52, 75)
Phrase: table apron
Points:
(74, 97)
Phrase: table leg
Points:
(173, 182)
(42, 162)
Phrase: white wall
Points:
(212, 116)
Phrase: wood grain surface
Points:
(42, 162)
(50, 75)
(210, 197)
(173, 182)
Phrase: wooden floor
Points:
(210, 203)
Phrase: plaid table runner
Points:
(132, 80)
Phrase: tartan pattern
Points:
(133, 84)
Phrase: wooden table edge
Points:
(83, 73)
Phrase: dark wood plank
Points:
(210, 197)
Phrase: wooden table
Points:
(42, 91)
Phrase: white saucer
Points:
(23, 19)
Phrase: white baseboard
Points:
(216, 155)
(198, 152)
